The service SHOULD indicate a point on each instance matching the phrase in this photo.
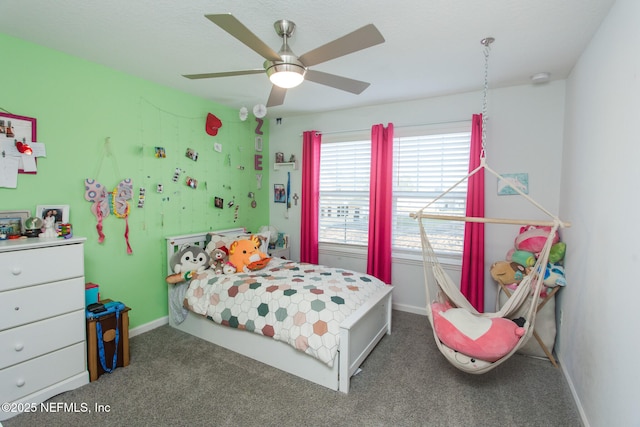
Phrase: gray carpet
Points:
(175, 379)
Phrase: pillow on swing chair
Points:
(482, 338)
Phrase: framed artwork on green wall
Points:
(18, 129)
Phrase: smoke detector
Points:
(540, 78)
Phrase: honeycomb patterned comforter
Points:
(300, 304)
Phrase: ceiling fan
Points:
(284, 68)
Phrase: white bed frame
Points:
(359, 334)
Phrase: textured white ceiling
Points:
(432, 47)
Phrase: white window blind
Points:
(425, 164)
(344, 192)
(424, 167)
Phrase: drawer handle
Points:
(20, 382)
(19, 346)
(16, 271)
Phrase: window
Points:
(344, 192)
(426, 163)
(425, 166)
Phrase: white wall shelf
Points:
(293, 165)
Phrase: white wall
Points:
(598, 342)
(524, 134)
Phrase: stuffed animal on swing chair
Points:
(487, 339)
(532, 238)
(186, 263)
(509, 274)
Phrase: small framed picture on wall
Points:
(279, 193)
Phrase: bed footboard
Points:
(360, 333)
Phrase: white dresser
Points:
(42, 320)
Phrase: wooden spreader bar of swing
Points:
(538, 222)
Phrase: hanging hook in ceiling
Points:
(487, 41)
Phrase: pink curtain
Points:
(380, 206)
(309, 227)
(472, 280)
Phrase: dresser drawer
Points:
(34, 266)
(35, 339)
(36, 374)
(22, 306)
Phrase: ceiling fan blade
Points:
(276, 97)
(361, 38)
(224, 74)
(231, 25)
(338, 82)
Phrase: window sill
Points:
(353, 251)
(415, 258)
(399, 255)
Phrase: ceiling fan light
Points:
(286, 79)
(286, 76)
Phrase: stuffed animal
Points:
(218, 258)
(228, 268)
(217, 244)
(482, 338)
(556, 254)
(532, 238)
(524, 258)
(246, 256)
(186, 262)
(508, 273)
(554, 276)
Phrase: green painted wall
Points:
(78, 105)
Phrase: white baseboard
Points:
(410, 309)
(148, 326)
(576, 399)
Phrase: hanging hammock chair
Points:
(477, 342)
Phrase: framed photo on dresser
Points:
(60, 212)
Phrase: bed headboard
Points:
(175, 243)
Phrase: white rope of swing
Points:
(484, 166)
(429, 256)
(512, 305)
(444, 282)
(453, 294)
